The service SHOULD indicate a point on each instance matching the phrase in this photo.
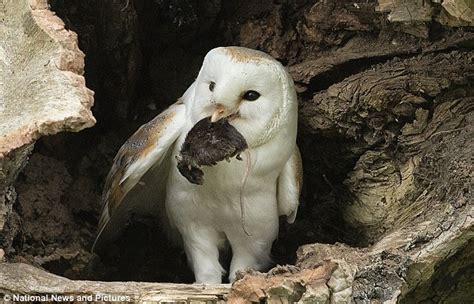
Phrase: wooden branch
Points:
(23, 279)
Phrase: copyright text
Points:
(65, 298)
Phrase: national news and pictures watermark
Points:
(65, 298)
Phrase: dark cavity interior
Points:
(141, 55)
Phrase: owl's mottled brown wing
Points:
(148, 147)
(289, 186)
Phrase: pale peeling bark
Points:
(42, 90)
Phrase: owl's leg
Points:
(202, 251)
(249, 252)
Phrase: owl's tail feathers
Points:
(97, 244)
(110, 230)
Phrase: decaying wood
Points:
(40, 94)
(413, 16)
(406, 198)
(323, 282)
(448, 12)
(457, 12)
(410, 191)
(364, 50)
(27, 280)
(406, 10)
(401, 267)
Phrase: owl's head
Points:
(250, 88)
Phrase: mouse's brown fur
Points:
(206, 144)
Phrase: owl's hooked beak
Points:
(221, 112)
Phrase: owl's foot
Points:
(202, 250)
(207, 269)
(243, 260)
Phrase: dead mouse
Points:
(206, 144)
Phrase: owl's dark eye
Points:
(212, 84)
(251, 95)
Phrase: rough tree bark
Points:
(386, 96)
(42, 90)
(410, 188)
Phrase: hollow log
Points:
(386, 134)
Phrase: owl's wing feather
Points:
(289, 186)
(148, 148)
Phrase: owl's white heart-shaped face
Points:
(250, 88)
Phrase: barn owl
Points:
(240, 200)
